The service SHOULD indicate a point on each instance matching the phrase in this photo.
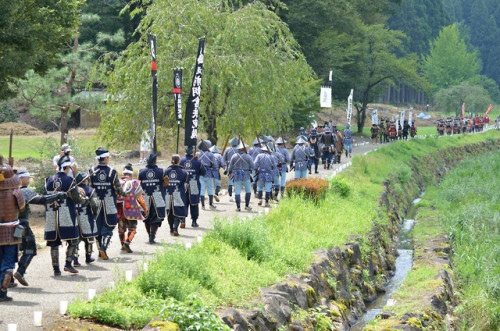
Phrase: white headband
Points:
(24, 174)
(102, 156)
(125, 172)
(64, 165)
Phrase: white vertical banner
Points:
(375, 116)
(410, 113)
(326, 97)
(349, 107)
(330, 77)
(397, 125)
(402, 123)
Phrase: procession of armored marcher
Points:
(88, 205)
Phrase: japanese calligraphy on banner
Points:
(193, 105)
(349, 107)
(152, 46)
(410, 118)
(402, 119)
(177, 94)
(326, 97)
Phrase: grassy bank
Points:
(232, 262)
(465, 208)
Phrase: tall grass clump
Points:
(468, 202)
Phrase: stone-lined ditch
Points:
(342, 281)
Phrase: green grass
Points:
(36, 147)
(466, 208)
(238, 258)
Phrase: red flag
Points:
(463, 111)
(489, 108)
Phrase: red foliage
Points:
(313, 188)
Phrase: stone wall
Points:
(338, 284)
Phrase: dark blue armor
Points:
(194, 169)
(176, 191)
(151, 178)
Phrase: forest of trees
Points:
(434, 46)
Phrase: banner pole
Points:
(178, 130)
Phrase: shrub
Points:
(404, 173)
(7, 113)
(340, 186)
(312, 188)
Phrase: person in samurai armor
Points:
(392, 132)
(11, 203)
(413, 129)
(106, 183)
(195, 170)
(219, 164)
(374, 131)
(153, 183)
(28, 245)
(328, 141)
(406, 129)
(60, 217)
(387, 133)
(228, 154)
(381, 134)
(207, 180)
(239, 168)
(348, 133)
(176, 194)
(265, 164)
(300, 156)
(253, 152)
(279, 160)
(314, 144)
(284, 165)
(130, 208)
(86, 217)
(339, 144)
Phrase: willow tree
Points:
(253, 71)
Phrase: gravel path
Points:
(46, 291)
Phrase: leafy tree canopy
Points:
(253, 71)
(449, 63)
(450, 100)
(31, 34)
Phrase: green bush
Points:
(340, 186)
(7, 113)
(404, 174)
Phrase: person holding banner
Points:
(348, 133)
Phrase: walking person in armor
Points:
(328, 147)
(153, 182)
(28, 244)
(106, 183)
(218, 164)
(253, 152)
(283, 165)
(11, 202)
(228, 154)
(300, 156)
(60, 217)
(381, 134)
(176, 194)
(314, 144)
(207, 180)
(374, 131)
(195, 170)
(348, 133)
(279, 159)
(130, 208)
(265, 164)
(239, 169)
(86, 217)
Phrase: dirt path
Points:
(46, 291)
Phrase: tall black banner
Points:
(177, 94)
(193, 105)
(152, 47)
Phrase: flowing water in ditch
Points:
(403, 264)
